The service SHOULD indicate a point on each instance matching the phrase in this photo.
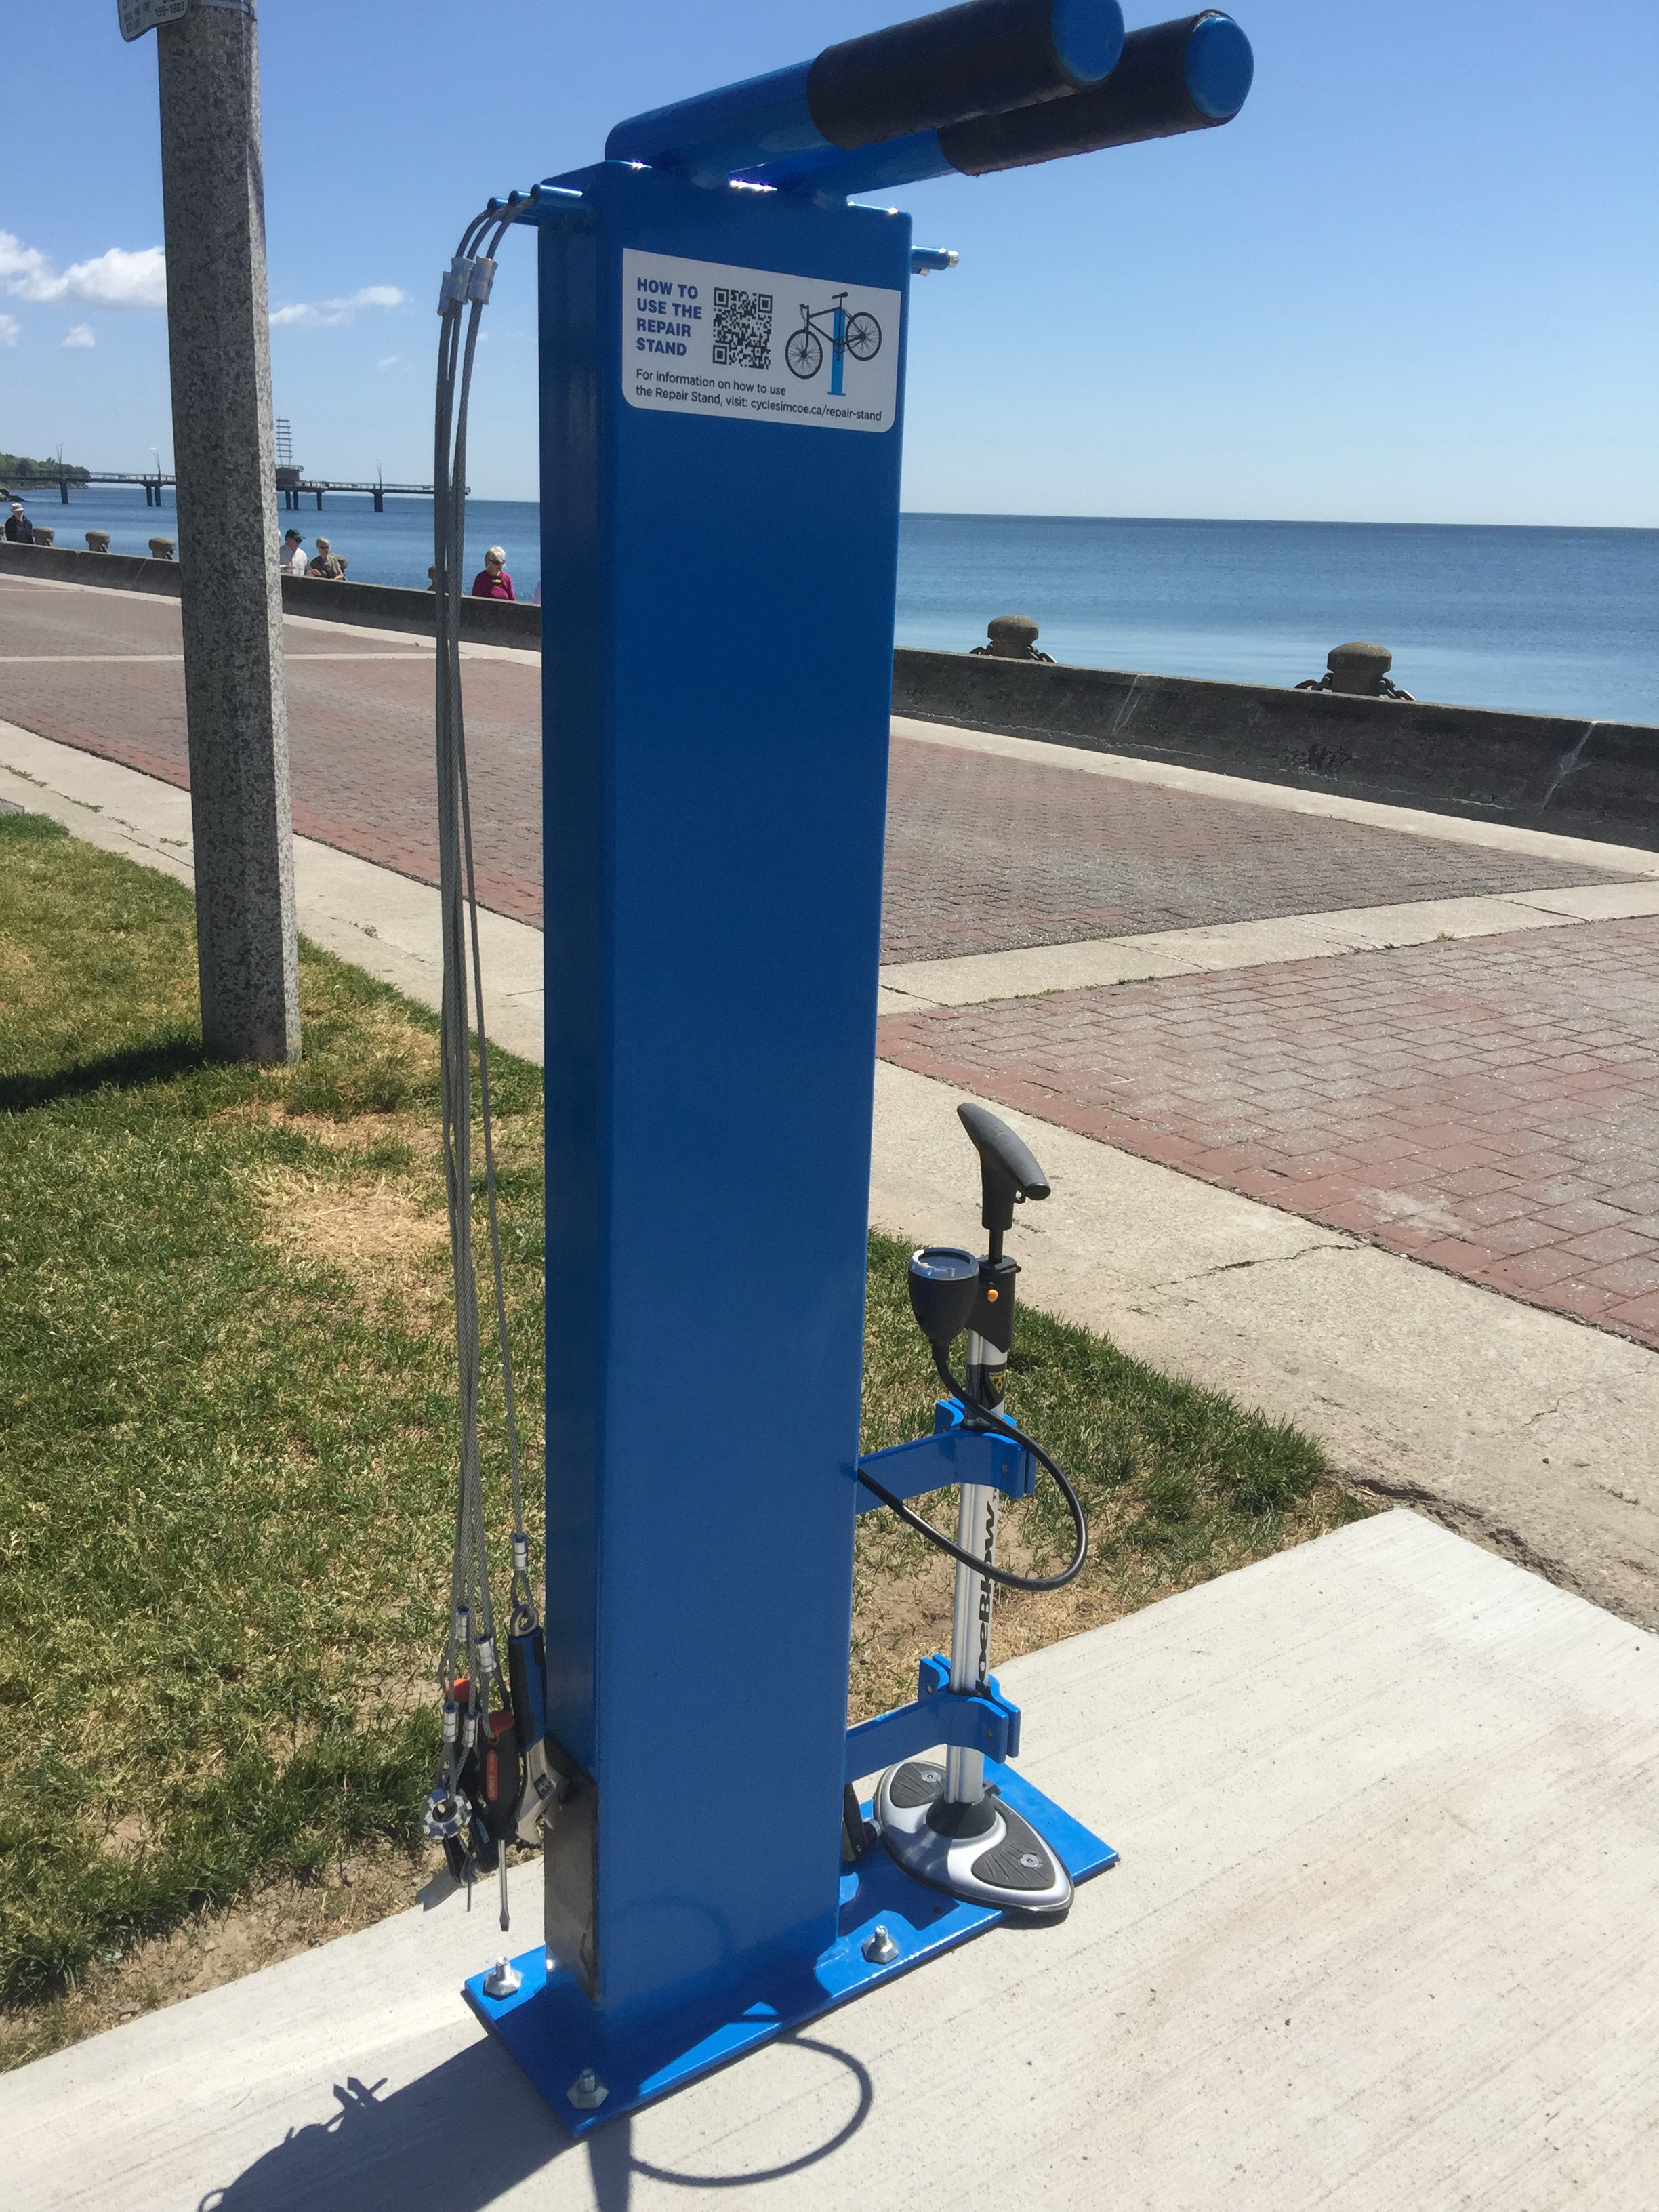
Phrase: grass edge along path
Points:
(226, 1434)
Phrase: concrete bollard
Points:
(161, 548)
(98, 541)
(1013, 637)
(1359, 669)
(44, 535)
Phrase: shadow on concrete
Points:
(461, 2136)
(116, 1071)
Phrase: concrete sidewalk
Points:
(1388, 1813)
(1521, 1428)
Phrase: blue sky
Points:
(1415, 280)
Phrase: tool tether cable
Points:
(471, 1652)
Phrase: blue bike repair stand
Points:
(719, 540)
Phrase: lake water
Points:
(1552, 622)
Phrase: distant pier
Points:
(292, 486)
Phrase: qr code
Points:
(743, 329)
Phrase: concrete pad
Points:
(1529, 1431)
(1409, 821)
(386, 923)
(1388, 1810)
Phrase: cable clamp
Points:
(452, 286)
(481, 277)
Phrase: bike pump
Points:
(940, 1821)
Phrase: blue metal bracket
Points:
(984, 1721)
(952, 1453)
(551, 2030)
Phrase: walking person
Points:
(19, 531)
(492, 580)
(293, 561)
(326, 565)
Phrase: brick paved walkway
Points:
(360, 735)
(1489, 1106)
(983, 853)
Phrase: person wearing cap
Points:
(19, 531)
(293, 563)
(329, 567)
(492, 580)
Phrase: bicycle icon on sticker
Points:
(858, 334)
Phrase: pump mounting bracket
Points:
(952, 1454)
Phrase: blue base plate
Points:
(548, 2025)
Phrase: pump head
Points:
(1008, 1173)
(944, 1287)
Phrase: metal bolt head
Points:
(503, 1980)
(879, 1947)
(587, 2093)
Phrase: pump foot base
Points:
(555, 2034)
(986, 1854)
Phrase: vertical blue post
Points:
(718, 550)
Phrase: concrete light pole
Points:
(224, 466)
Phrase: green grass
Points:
(224, 1473)
(226, 1431)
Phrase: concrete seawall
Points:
(376, 606)
(1587, 779)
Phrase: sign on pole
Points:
(138, 16)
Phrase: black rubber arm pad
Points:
(970, 61)
(1146, 96)
(1008, 1170)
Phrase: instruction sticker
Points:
(699, 339)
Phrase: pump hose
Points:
(981, 1419)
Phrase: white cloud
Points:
(327, 314)
(19, 264)
(81, 336)
(389, 361)
(115, 279)
(10, 330)
(121, 279)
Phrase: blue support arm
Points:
(983, 1722)
(952, 1454)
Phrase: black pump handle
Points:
(1008, 1172)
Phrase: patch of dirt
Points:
(898, 1621)
(902, 1615)
(375, 1230)
(351, 1133)
(125, 1836)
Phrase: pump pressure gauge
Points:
(944, 1287)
